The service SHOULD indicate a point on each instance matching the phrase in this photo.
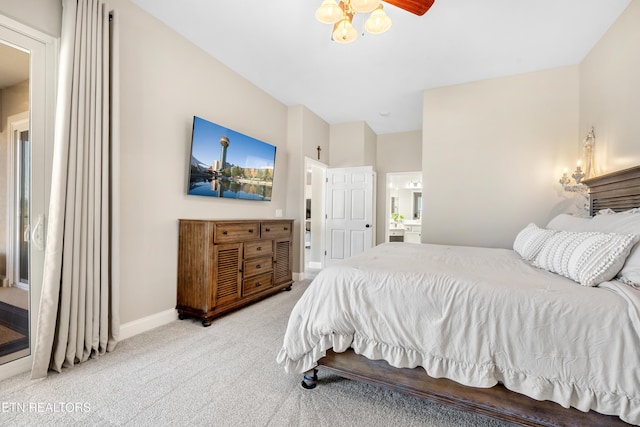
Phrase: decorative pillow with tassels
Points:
(529, 241)
(588, 258)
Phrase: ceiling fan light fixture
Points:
(329, 12)
(378, 22)
(365, 6)
(344, 31)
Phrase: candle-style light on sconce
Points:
(577, 175)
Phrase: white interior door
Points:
(350, 212)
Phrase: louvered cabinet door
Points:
(227, 274)
(282, 261)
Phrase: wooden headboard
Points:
(616, 190)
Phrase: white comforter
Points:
(477, 316)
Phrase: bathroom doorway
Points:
(404, 207)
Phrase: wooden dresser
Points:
(226, 264)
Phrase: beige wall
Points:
(43, 15)
(306, 131)
(396, 152)
(492, 154)
(370, 147)
(610, 93)
(165, 81)
(352, 144)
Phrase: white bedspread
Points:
(477, 316)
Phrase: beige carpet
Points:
(224, 375)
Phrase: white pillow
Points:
(529, 241)
(566, 222)
(588, 258)
(627, 222)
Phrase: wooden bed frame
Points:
(618, 191)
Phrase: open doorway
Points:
(314, 208)
(404, 207)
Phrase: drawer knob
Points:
(251, 230)
(225, 232)
(286, 228)
(267, 229)
(258, 266)
(259, 248)
(258, 284)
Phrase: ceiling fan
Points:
(417, 7)
(341, 15)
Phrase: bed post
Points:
(310, 379)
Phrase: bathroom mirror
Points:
(417, 204)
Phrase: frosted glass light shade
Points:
(344, 31)
(329, 12)
(378, 22)
(365, 6)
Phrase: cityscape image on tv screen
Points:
(226, 163)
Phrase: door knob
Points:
(367, 226)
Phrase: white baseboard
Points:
(314, 264)
(145, 324)
(298, 277)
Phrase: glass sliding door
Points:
(27, 90)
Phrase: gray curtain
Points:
(78, 314)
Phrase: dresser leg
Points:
(206, 322)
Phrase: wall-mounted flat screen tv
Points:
(228, 164)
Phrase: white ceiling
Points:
(280, 47)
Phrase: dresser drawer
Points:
(273, 230)
(258, 266)
(257, 284)
(236, 232)
(258, 248)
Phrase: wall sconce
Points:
(578, 175)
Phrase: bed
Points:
(527, 346)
